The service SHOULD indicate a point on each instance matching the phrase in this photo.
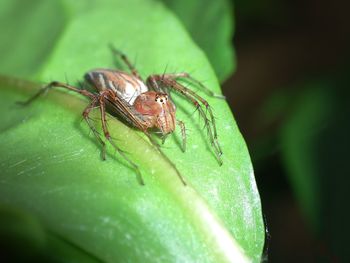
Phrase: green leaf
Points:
(25, 26)
(19, 232)
(22, 232)
(52, 166)
(210, 25)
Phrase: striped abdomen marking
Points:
(126, 86)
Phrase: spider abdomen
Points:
(126, 86)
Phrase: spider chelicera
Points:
(144, 105)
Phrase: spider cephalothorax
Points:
(158, 109)
(145, 105)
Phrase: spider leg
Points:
(152, 83)
(134, 118)
(164, 138)
(183, 133)
(56, 84)
(185, 75)
(155, 144)
(203, 101)
(125, 59)
(101, 99)
(86, 113)
(169, 81)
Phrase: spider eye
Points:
(161, 100)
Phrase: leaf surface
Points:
(210, 24)
(52, 166)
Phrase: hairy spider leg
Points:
(86, 113)
(126, 60)
(203, 101)
(170, 81)
(183, 134)
(155, 144)
(54, 84)
(122, 108)
(95, 98)
(164, 137)
(101, 98)
(153, 84)
(187, 76)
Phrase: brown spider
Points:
(144, 105)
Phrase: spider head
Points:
(158, 109)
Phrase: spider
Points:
(144, 105)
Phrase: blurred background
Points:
(290, 97)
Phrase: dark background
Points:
(290, 97)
